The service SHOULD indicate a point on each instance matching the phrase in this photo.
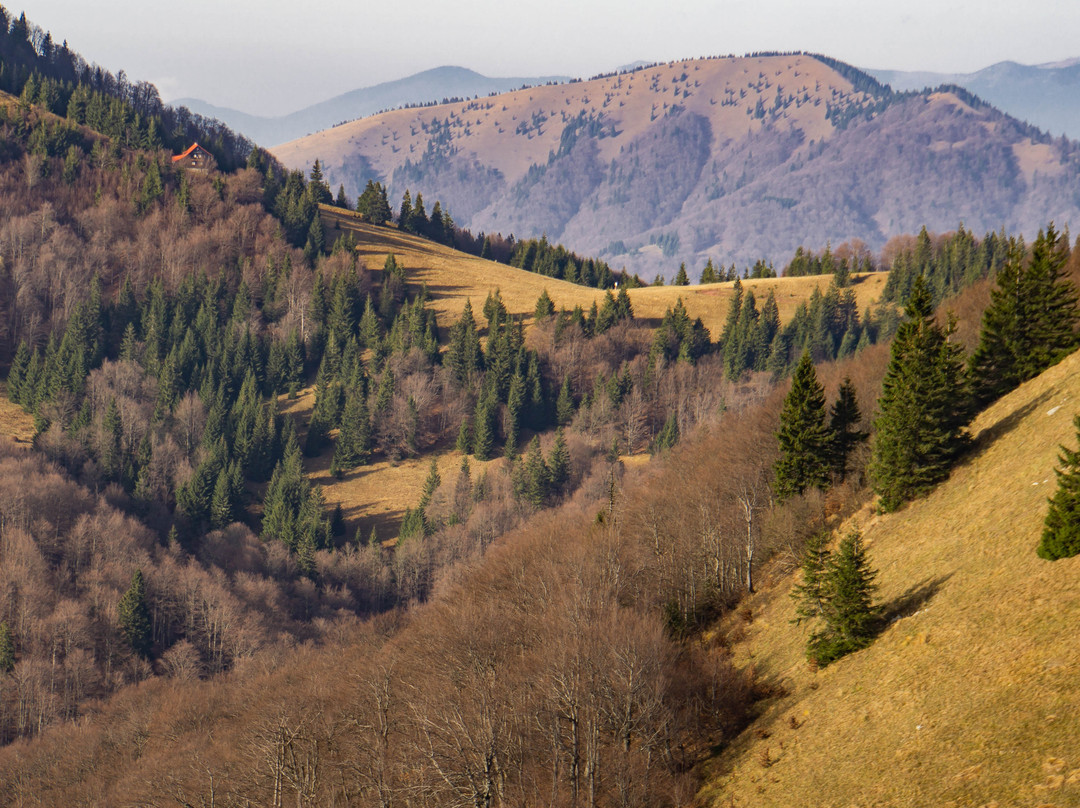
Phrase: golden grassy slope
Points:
(14, 423)
(453, 276)
(972, 696)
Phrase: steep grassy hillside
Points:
(734, 159)
(452, 277)
(970, 696)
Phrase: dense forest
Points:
(541, 628)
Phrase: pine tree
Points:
(923, 408)
(805, 440)
(847, 606)
(1061, 531)
(1031, 321)
(811, 595)
(559, 463)
(536, 475)
(681, 278)
(7, 649)
(544, 307)
(669, 433)
(133, 614)
(221, 507)
(353, 447)
(844, 418)
(484, 427)
(564, 405)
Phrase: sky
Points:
(271, 57)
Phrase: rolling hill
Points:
(970, 694)
(730, 158)
(1044, 95)
(452, 277)
(429, 85)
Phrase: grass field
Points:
(14, 423)
(453, 276)
(971, 695)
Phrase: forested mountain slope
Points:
(730, 158)
(969, 696)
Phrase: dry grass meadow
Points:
(452, 277)
(971, 695)
(15, 423)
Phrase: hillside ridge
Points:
(773, 152)
(965, 697)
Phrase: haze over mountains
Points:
(430, 85)
(1044, 95)
(733, 159)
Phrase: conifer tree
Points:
(811, 595)
(844, 418)
(221, 507)
(7, 649)
(559, 463)
(133, 614)
(923, 408)
(564, 404)
(544, 307)
(1061, 531)
(669, 433)
(847, 606)
(1031, 321)
(536, 475)
(804, 438)
(484, 427)
(681, 278)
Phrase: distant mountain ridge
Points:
(1046, 95)
(430, 85)
(729, 159)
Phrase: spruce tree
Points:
(7, 649)
(811, 596)
(1031, 321)
(133, 614)
(564, 405)
(559, 463)
(544, 307)
(844, 418)
(669, 433)
(923, 408)
(681, 278)
(847, 606)
(805, 440)
(1061, 531)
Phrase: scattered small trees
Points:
(1061, 534)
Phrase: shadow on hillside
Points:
(909, 602)
(1006, 425)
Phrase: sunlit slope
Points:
(971, 696)
(452, 277)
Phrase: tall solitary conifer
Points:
(805, 440)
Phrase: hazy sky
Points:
(270, 56)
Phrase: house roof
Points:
(191, 149)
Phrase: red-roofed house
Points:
(195, 157)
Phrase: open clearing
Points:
(452, 277)
(970, 696)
